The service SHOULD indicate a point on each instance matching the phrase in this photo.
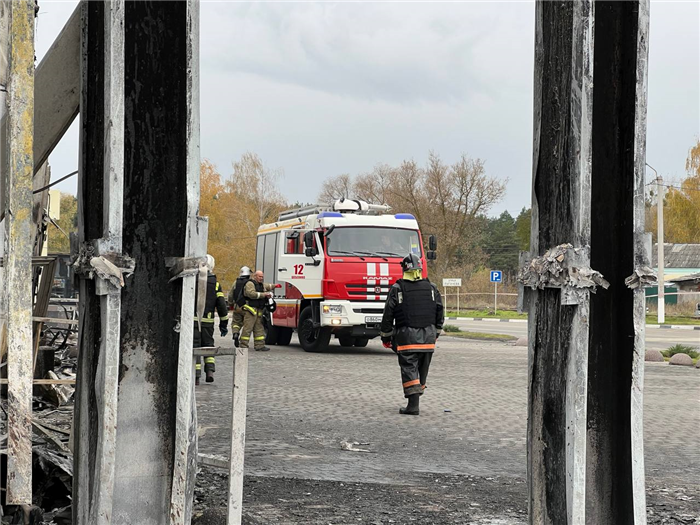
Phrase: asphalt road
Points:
(304, 408)
(657, 338)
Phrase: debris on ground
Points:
(352, 446)
(429, 498)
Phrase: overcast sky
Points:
(319, 89)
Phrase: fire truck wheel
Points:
(346, 340)
(361, 342)
(312, 339)
(284, 336)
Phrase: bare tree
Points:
(256, 185)
(336, 188)
(447, 200)
(375, 186)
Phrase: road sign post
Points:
(496, 277)
(452, 283)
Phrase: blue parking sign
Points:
(496, 276)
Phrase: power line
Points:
(679, 188)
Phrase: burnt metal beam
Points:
(586, 349)
(558, 321)
(18, 259)
(615, 470)
(139, 198)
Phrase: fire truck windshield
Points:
(369, 241)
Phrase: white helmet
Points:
(210, 263)
(245, 272)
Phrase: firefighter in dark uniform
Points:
(236, 300)
(412, 321)
(256, 293)
(215, 301)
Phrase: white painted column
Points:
(238, 423)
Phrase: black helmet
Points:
(411, 262)
(271, 306)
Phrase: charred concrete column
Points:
(615, 473)
(139, 194)
(585, 457)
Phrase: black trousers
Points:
(202, 339)
(414, 371)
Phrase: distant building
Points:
(688, 283)
(679, 260)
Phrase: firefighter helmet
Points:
(210, 263)
(245, 272)
(411, 262)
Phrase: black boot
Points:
(210, 376)
(412, 407)
(236, 340)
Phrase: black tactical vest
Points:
(257, 303)
(418, 308)
(238, 297)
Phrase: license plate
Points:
(373, 319)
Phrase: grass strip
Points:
(480, 336)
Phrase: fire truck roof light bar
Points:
(341, 205)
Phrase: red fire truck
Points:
(336, 264)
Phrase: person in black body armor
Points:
(412, 321)
(236, 301)
(215, 302)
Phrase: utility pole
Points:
(661, 301)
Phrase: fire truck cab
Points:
(336, 265)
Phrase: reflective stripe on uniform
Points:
(205, 320)
(197, 366)
(224, 318)
(220, 294)
(245, 338)
(209, 360)
(411, 383)
(259, 338)
(415, 347)
(250, 309)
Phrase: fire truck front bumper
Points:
(364, 318)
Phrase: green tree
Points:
(681, 205)
(501, 243)
(522, 228)
(68, 223)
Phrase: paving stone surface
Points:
(302, 407)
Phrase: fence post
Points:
(238, 420)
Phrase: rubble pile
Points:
(52, 458)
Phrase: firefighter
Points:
(215, 301)
(256, 294)
(236, 300)
(412, 321)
